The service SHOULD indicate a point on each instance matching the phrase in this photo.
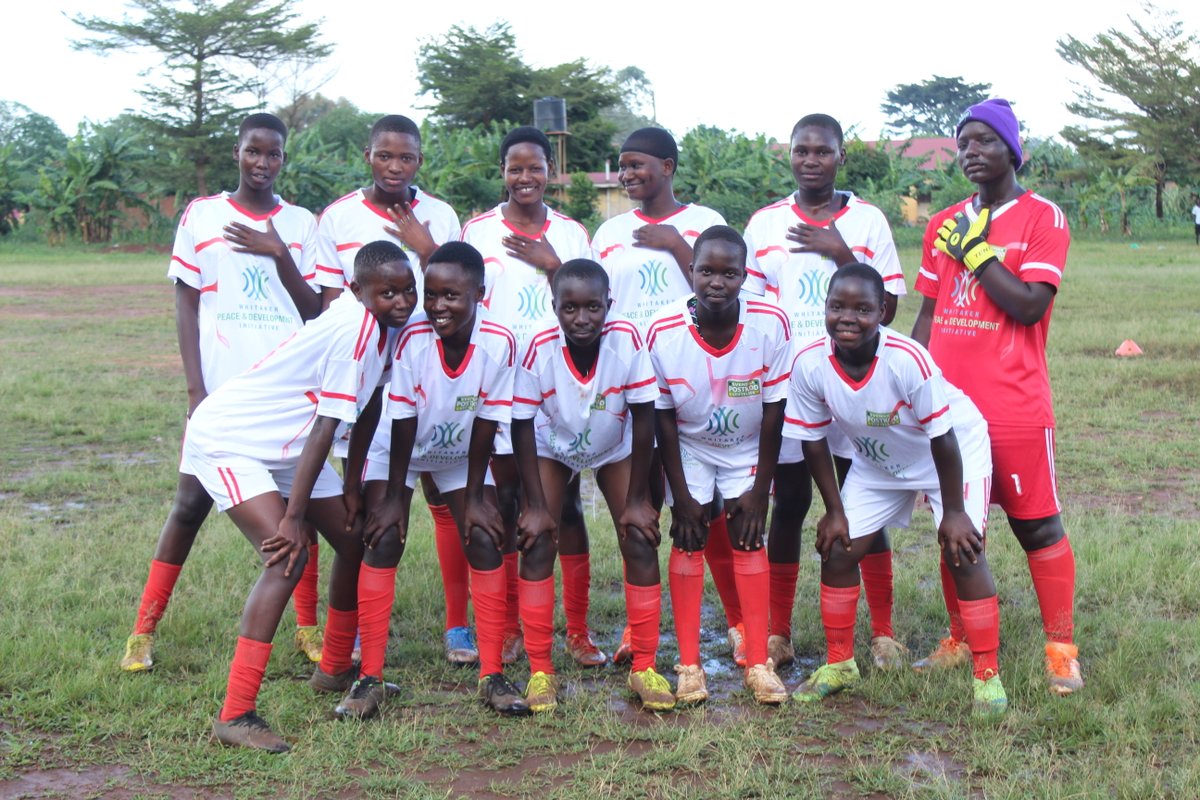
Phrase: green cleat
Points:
(990, 699)
(828, 679)
(541, 693)
(139, 653)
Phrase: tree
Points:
(1153, 126)
(931, 107)
(32, 135)
(208, 53)
(730, 172)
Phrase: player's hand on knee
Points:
(288, 542)
(958, 538)
(640, 519)
(832, 529)
(751, 508)
(689, 528)
(387, 513)
(484, 515)
(352, 501)
(532, 525)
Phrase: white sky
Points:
(750, 65)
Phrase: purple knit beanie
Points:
(998, 115)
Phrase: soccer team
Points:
(679, 360)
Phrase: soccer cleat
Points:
(308, 641)
(322, 681)
(780, 650)
(950, 652)
(652, 689)
(513, 647)
(692, 685)
(828, 679)
(541, 693)
(737, 644)
(363, 700)
(1062, 668)
(139, 653)
(762, 680)
(248, 730)
(581, 648)
(624, 652)
(990, 699)
(460, 646)
(888, 653)
(499, 694)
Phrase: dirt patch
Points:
(98, 781)
(1170, 496)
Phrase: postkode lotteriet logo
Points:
(747, 388)
(882, 419)
(466, 402)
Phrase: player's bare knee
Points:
(386, 553)
(191, 507)
(482, 552)
(1036, 534)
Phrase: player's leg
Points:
(304, 602)
(536, 593)
(576, 565)
(508, 496)
(458, 640)
(793, 497)
(657, 491)
(643, 593)
(187, 514)
(719, 555)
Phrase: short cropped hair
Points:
(721, 233)
(526, 133)
(581, 269)
(373, 255)
(863, 272)
(462, 254)
(820, 121)
(395, 123)
(262, 120)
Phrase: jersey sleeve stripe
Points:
(212, 287)
(497, 402)
(779, 379)
(895, 276)
(631, 386)
(606, 252)
(526, 400)
(934, 415)
(772, 248)
(803, 424)
(1041, 266)
(862, 248)
(208, 243)
(399, 398)
(755, 273)
(186, 265)
(904, 347)
(339, 396)
(929, 276)
(341, 248)
(331, 270)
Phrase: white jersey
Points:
(516, 293)
(890, 415)
(446, 401)
(718, 395)
(799, 282)
(583, 420)
(329, 368)
(245, 310)
(645, 281)
(352, 221)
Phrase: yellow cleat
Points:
(541, 693)
(652, 689)
(308, 641)
(139, 653)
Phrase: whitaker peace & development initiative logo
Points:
(871, 448)
(254, 283)
(447, 434)
(814, 285)
(533, 303)
(723, 422)
(965, 288)
(653, 275)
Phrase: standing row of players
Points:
(685, 333)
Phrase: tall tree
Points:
(31, 135)
(931, 107)
(1149, 101)
(207, 74)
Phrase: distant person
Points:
(990, 270)
(1196, 215)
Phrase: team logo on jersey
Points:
(871, 448)
(882, 419)
(466, 402)
(723, 422)
(447, 434)
(532, 302)
(749, 388)
(814, 286)
(581, 441)
(965, 288)
(654, 276)
(254, 283)
(599, 403)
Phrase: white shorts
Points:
(502, 443)
(869, 508)
(593, 461)
(791, 451)
(704, 479)
(231, 480)
(447, 477)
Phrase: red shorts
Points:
(1024, 483)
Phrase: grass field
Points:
(91, 400)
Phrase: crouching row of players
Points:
(715, 376)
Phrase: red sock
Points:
(687, 588)
(576, 582)
(512, 620)
(453, 562)
(876, 569)
(304, 596)
(537, 620)
(340, 629)
(783, 597)
(489, 589)
(643, 607)
(1053, 571)
(981, 619)
(376, 593)
(750, 571)
(719, 555)
(839, 606)
(245, 676)
(950, 594)
(159, 585)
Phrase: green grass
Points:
(92, 398)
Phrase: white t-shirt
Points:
(718, 395)
(245, 310)
(890, 415)
(445, 401)
(1196, 213)
(352, 221)
(329, 368)
(516, 293)
(799, 282)
(583, 420)
(644, 281)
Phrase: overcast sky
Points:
(749, 65)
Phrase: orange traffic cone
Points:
(1128, 348)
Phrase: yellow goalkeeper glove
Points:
(966, 241)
